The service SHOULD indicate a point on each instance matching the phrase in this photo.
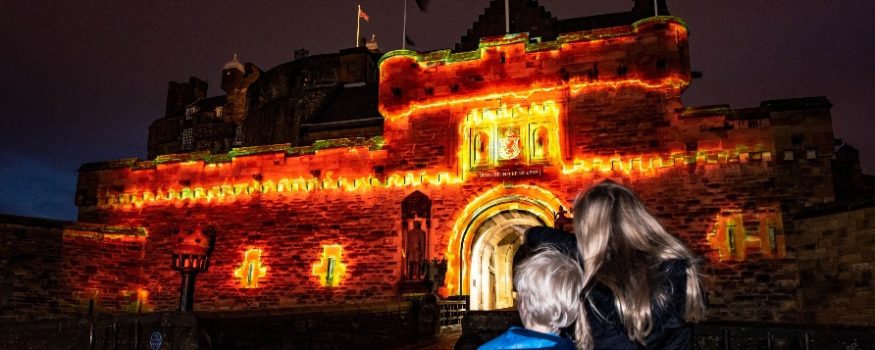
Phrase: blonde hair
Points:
(621, 245)
(548, 286)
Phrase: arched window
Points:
(416, 221)
(540, 144)
(480, 151)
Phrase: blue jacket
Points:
(521, 338)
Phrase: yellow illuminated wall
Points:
(510, 135)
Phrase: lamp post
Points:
(191, 255)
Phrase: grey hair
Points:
(548, 287)
(620, 242)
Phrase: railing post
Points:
(726, 339)
(115, 335)
(806, 338)
(136, 332)
(91, 324)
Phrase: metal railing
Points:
(452, 312)
(770, 336)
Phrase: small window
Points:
(189, 112)
(789, 155)
(730, 238)
(219, 112)
(238, 135)
(811, 154)
(187, 139)
(773, 239)
(539, 149)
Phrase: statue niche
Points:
(415, 228)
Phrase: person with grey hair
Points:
(548, 286)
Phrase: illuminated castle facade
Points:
(445, 155)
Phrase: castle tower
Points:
(231, 74)
(236, 78)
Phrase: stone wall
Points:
(51, 269)
(836, 257)
(30, 267)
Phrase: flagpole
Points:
(655, 9)
(404, 28)
(358, 21)
(506, 16)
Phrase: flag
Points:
(409, 41)
(363, 15)
(423, 5)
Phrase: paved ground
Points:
(445, 341)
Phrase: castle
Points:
(349, 177)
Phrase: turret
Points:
(231, 74)
(236, 78)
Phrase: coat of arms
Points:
(509, 144)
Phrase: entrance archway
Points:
(490, 226)
(495, 243)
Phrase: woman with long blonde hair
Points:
(641, 284)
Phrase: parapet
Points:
(648, 51)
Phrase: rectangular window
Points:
(730, 238)
(189, 112)
(811, 154)
(219, 112)
(329, 272)
(773, 239)
(789, 155)
(238, 135)
(187, 139)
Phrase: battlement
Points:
(650, 52)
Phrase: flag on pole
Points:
(409, 41)
(363, 15)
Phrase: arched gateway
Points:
(485, 237)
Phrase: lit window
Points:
(480, 152)
(789, 155)
(187, 139)
(251, 270)
(811, 154)
(219, 111)
(539, 149)
(329, 269)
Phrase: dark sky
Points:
(82, 80)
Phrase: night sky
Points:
(82, 80)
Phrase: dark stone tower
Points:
(236, 78)
(183, 94)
